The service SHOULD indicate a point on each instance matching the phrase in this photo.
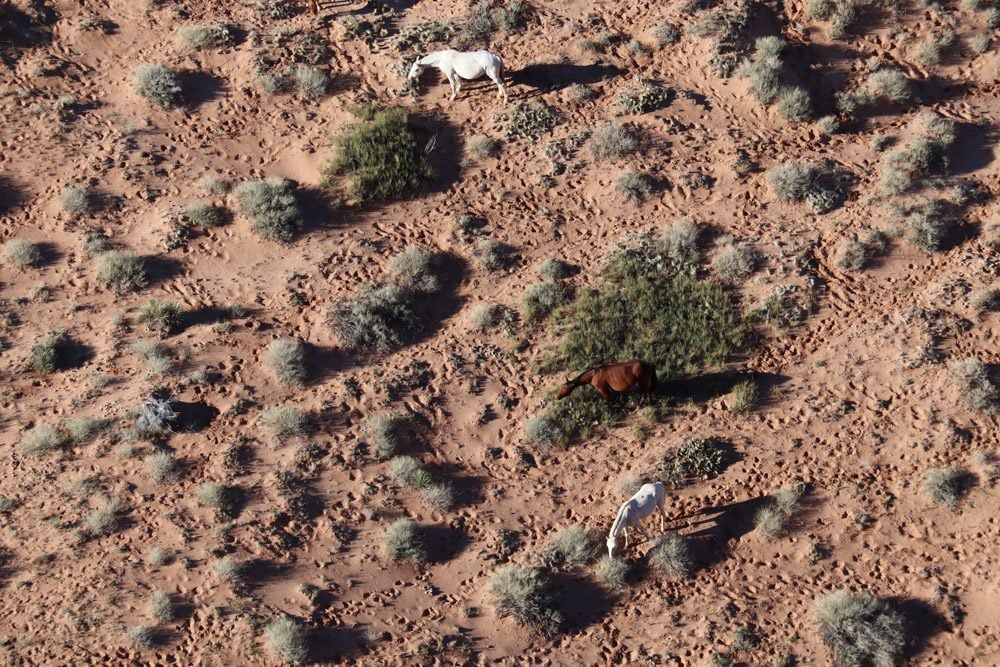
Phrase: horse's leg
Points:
(451, 81)
(497, 77)
(625, 530)
(603, 388)
(458, 85)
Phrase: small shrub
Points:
(525, 594)
(947, 485)
(493, 255)
(892, 85)
(861, 629)
(23, 254)
(75, 201)
(272, 206)
(285, 421)
(161, 317)
(385, 432)
(795, 104)
(744, 397)
(573, 546)
(41, 439)
(644, 98)
(159, 85)
(404, 468)
(764, 78)
(161, 607)
(162, 467)
(439, 494)
(543, 431)
(216, 36)
(931, 52)
(666, 34)
(288, 640)
(377, 319)
(84, 429)
(488, 316)
(554, 269)
(215, 495)
(579, 93)
(274, 83)
(929, 229)
(121, 271)
(733, 264)
(635, 186)
(405, 541)
(614, 572)
(380, 158)
(772, 519)
(680, 241)
(770, 48)
(415, 269)
(50, 354)
(815, 184)
(972, 379)
(204, 215)
(483, 146)
(696, 457)
(613, 140)
(141, 636)
(155, 416)
(540, 299)
(530, 119)
(229, 569)
(672, 555)
(287, 358)
(311, 82)
(986, 300)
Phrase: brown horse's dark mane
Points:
(594, 369)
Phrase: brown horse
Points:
(620, 376)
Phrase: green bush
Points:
(861, 629)
(795, 104)
(204, 215)
(121, 271)
(376, 319)
(23, 254)
(744, 397)
(892, 85)
(161, 317)
(50, 354)
(930, 227)
(160, 85)
(696, 457)
(647, 96)
(380, 158)
(405, 541)
(816, 184)
(540, 299)
(525, 594)
(530, 119)
(272, 206)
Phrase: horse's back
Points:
(648, 495)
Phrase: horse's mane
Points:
(592, 369)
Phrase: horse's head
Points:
(416, 69)
(566, 388)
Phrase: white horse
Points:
(458, 65)
(649, 497)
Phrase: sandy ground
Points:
(858, 402)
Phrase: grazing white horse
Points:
(649, 497)
(458, 65)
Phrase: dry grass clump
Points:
(216, 36)
(75, 201)
(141, 636)
(415, 269)
(159, 84)
(404, 469)
(41, 439)
(287, 359)
(376, 319)
(614, 572)
(861, 629)
(634, 186)
(525, 594)
(795, 104)
(613, 140)
(22, 253)
(162, 467)
(890, 84)
(482, 146)
(229, 569)
(494, 255)
(311, 82)
(554, 269)
(985, 300)
(405, 541)
(205, 215)
(161, 607)
(288, 639)
(160, 317)
(82, 430)
(285, 421)
(272, 206)
(925, 155)
(815, 184)
(973, 381)
(488, 316)
(744, 396)
(680, 241)
(733, 263)
(855, 254)
(947, 486)
(103, 520)
(386, 434)
(121, 271)
(543, 431)
(666, 34)
(772, 519)
(932, 50)
(573, 546)
(156, 416)
(671, 554)
(540, 299)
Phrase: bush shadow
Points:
(442, 146)
(11, 195)
(193, 417)
(212, 315)
(318, 210)
(160, 269)
(922, 622)
(972, 149)
(444, 543)
(582, 602)
(200, 88)
(335, 644)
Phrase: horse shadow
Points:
(11, 195)
(708, 386)
(716, 527)
(544, 77)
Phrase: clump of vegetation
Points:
(416, 269)
(84, 429)
(229, 569)
(861, 629)
(121, 271)
(931, 51)
(635, 186)
(855, 254)
(644, 97)
(103, 520)
(483, 146)
(311, 82)
(973, 380)
(672, 554)
(816, 184)
(733, 263)
(161, 607)
(544, 431)
(161, 317)
(540, 299)
(377, 319)
(23, 254)
(554, 269)
(614, 572)
(215, 36)
(405, 541)
(696, 457)
(380, 158)
(408, 471)
(220, 497)
(205, 215)
(488, 316)
(287, 359)
(573, 546)
(386, 434)
(41, 439)
(160, 85)
(930, 227)
(75, 201)
(288, 640)
(155, 416)
(272, 206)
(947, 485)
(285, 421)
(764, 76)
(525, 594)
(680, 242)
(494, 255)
(986, 300)
(795, 104)
(744, 396)
(530, 119)
(666, 34)
(162, 467)
(772, 519)
(51, 353)
(141, 636)
(890, 84)
(924, 156)
(579, 93)
(613, 140)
